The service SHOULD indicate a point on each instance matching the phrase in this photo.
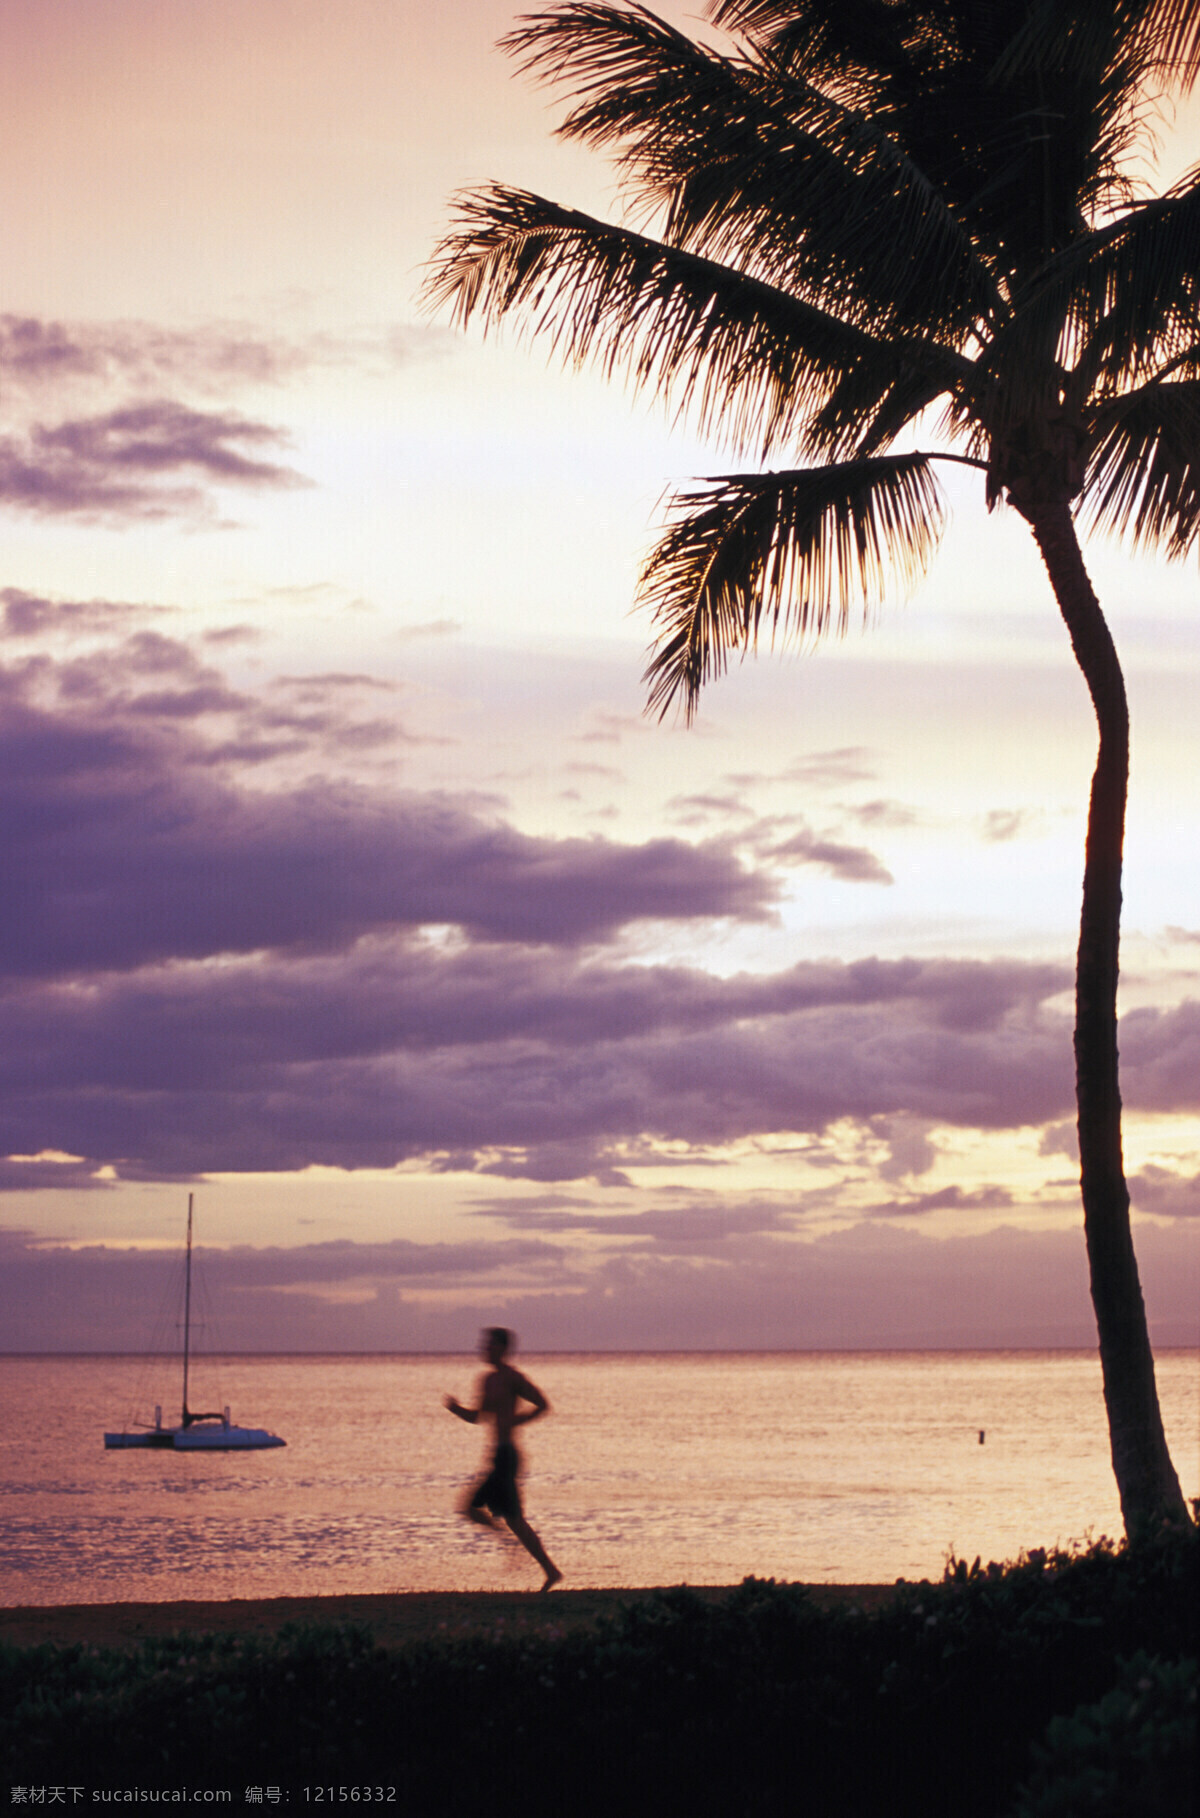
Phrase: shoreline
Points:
(395, 1618)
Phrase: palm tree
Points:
(867, 212)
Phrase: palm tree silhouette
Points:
(866, 212)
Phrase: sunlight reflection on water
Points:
(701, 1469)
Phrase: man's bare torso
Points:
(499, 1392)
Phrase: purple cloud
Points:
(828, 769)
(210, 357)
(37, 351)
(127, 842)
(868, 1287)
(125, 466)
(1002, 824)
(31, 615)
(107, 870)
(527, 1063)
(852, 864)
(334, 1031)
(1165, 1192)
(803, 846)
(954, 1199)
(704, 1227)
(881, 813)
(1160, 1057)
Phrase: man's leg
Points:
(476, 1512)
(533, 1545)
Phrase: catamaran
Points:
(203, 1432)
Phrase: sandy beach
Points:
(393, 1619)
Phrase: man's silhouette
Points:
(498, 1495)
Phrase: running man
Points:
(498, 1495)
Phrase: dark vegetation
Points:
(1063, 1684)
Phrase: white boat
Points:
(204, 1432)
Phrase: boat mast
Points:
(187, 1313)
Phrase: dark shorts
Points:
(498, 1492)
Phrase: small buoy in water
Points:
(981, 1435)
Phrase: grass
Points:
(1064, 1683)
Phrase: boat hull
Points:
(225, 1439)
(195, 1439)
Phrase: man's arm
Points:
(470, 1415)
(528, 1391)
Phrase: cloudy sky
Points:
(346, 882)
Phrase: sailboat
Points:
(204, 1432)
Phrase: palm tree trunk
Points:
(1146, 1479)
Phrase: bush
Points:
(756, 1702)
(1130, 1755)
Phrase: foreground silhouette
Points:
(876, 221)
(497, 1496)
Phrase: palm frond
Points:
(762, 170)
(1122, 301)
(1017, 121)
(827, 205)
(746, 357)
(852, 44)
(1177, 39)
(1145, 279)
(788, 550)
(1144, 474)
(874, 401)
(1118, 36)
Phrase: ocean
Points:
(698, 1469)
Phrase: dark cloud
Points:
(1160, 1058)
(127, 842)
(603, 1159)
(909, 1149)
(852, 864)
(216, 357)
(107, 1298)
(1060, 1139)
(1003, 824)
(610, 728)
(146, 674)
(570, 1159)
(531, 1202)
(814, 769)
(109, 866)
(31, 615)
(1165, 1192)
(881, 813)
(144, 461)
(232, 634)
(428, 628)
(693, 810)
(317, 685)
(526, 1064)
(201, 976)
(946, 1199)
(703, 1228)
(828, 769)
(603, 770)
(868, 1287)
(800, 845)
(33, 1173)
(34, 353)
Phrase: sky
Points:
(348, 885)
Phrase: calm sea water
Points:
(838, 1468)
